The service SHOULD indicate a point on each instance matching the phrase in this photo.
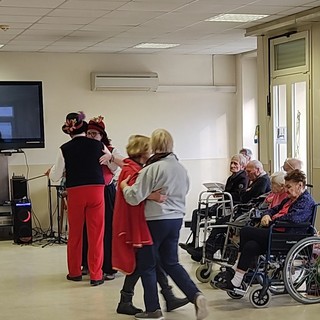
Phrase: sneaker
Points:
(108, 276)
(201, 307)
(150, 315)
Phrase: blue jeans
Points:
(165, 235)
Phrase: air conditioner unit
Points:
(124, 82)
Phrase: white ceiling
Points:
(115, 26)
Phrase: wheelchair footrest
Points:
(239, 291)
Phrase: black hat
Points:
(75, 123)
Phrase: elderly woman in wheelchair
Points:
(296, 210)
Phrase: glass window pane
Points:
(290, 54)
(280, 125)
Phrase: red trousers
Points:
(86, 204)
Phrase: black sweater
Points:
(258, 187)
(235, 184)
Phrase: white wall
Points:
(202, 121)
(247, 101)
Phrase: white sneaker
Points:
(201, 307)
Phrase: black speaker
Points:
(19, 188)
(22, 223)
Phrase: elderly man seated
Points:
(259, 182)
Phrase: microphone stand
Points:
(51, 234)
(54, 239)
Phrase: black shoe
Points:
(195, 253)
(95, 283)
(186, 246)
(128, 308)
(226, 285)
(78, 278)
(196, 258)
(176, 303)
(157, 315)
(227, 274)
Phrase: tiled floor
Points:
(33, 287)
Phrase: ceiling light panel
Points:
(237, 17)
(147, 45)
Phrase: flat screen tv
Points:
(21, 115)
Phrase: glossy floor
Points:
(33, 286)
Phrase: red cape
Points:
(130, 229)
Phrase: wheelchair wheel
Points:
(257, 301)
(237, 296)
(302, 271)
(204, 273)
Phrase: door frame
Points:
(289, 80)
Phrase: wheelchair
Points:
(206, 221)
(291, 265)
(223, 206)
(224, 240)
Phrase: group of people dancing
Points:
(145, 222)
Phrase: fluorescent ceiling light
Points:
(1, 45)
(146, 45)
(234, 17)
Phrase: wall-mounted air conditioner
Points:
(124, 82)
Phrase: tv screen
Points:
(21, 115)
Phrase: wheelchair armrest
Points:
(237, 224)
(258, 200)
(284, 224)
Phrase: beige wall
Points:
(202, 121)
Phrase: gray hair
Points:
(256, 164)
(278, 178)
(239, 158)
(246, 151)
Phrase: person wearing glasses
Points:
(96, 131)
(291, 164)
